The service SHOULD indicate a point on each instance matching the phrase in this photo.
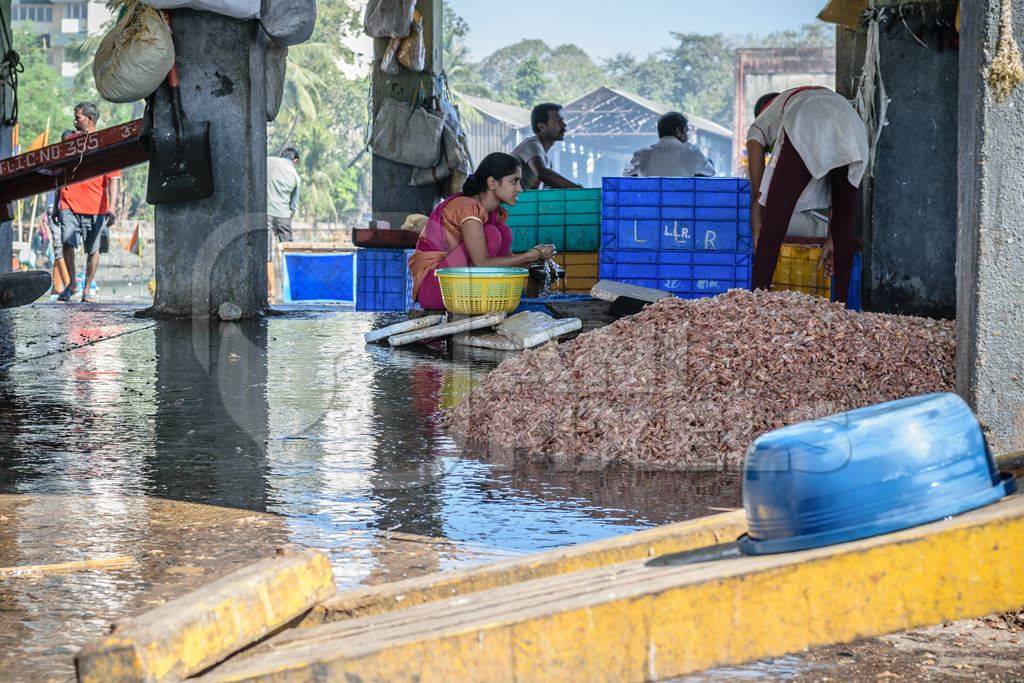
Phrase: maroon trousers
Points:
(790, 179)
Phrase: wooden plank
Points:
(192, 633)
(374, 238)
(447, 329)
(651, 620)
(609, 290)
(314, 247)
(404, 326)
(103, 563)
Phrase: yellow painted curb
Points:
(671, 538)
(192, 633)
(647, 621)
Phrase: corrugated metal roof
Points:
(696, 122)
(514, 116)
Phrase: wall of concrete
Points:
(990, 249)
(910, 241)
(215, 250)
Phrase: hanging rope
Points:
(10, 67)
(1006, 71)
(872, 100)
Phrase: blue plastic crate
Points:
(383, 280)
(853, 301)
(319, 277)
(687, 274)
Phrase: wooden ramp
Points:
(649, 619)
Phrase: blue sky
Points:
(606, 27)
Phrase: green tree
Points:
(463, 76)
(324, 115)
(530, 82)
(41, 93)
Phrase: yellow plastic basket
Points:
(475, 291)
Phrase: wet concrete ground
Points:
(197, 449)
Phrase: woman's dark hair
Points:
(496, 165)
(763, 102)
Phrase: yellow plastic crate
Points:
(580, 270)
(797, 271)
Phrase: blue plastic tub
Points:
(866, 472)
(313, 277)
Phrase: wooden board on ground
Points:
(200, 629)
(405, 326)
(609, 290)
(652, 620)
(448, 329)
(532, 328)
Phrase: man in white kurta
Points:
(819, 155)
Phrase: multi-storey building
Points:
(62, 24)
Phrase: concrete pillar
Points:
(392, 197)
(215, 250)
(990, 239)
(908, 211)
(6, 233)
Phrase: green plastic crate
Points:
(549, 220)
(587, 206)
(552, 234)
(523, 239)
(583, 238)
(583, 219)
(554, 208)
(551, 195)
(529, 197)
(522, 220)
(587, 193)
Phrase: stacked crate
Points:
(797, 271)
(568, 219)
(688, 236)
(383, 281)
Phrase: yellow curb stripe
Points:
(634, 621)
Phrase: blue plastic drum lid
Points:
(867, 472)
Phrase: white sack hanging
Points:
(134, 57)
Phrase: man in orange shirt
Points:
(86, 210)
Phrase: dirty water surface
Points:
(192, 449)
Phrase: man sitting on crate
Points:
(548, 122)
(673, 156)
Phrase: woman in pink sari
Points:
(469, 229)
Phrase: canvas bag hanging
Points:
(407, 134)
(288, 22)
(134, 57)
(453, 158)
(388, 18)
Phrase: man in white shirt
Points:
(673, 156)
(819, 150)
(548, 123)
(283, 185)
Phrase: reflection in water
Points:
(342, 443)
(211, 414)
